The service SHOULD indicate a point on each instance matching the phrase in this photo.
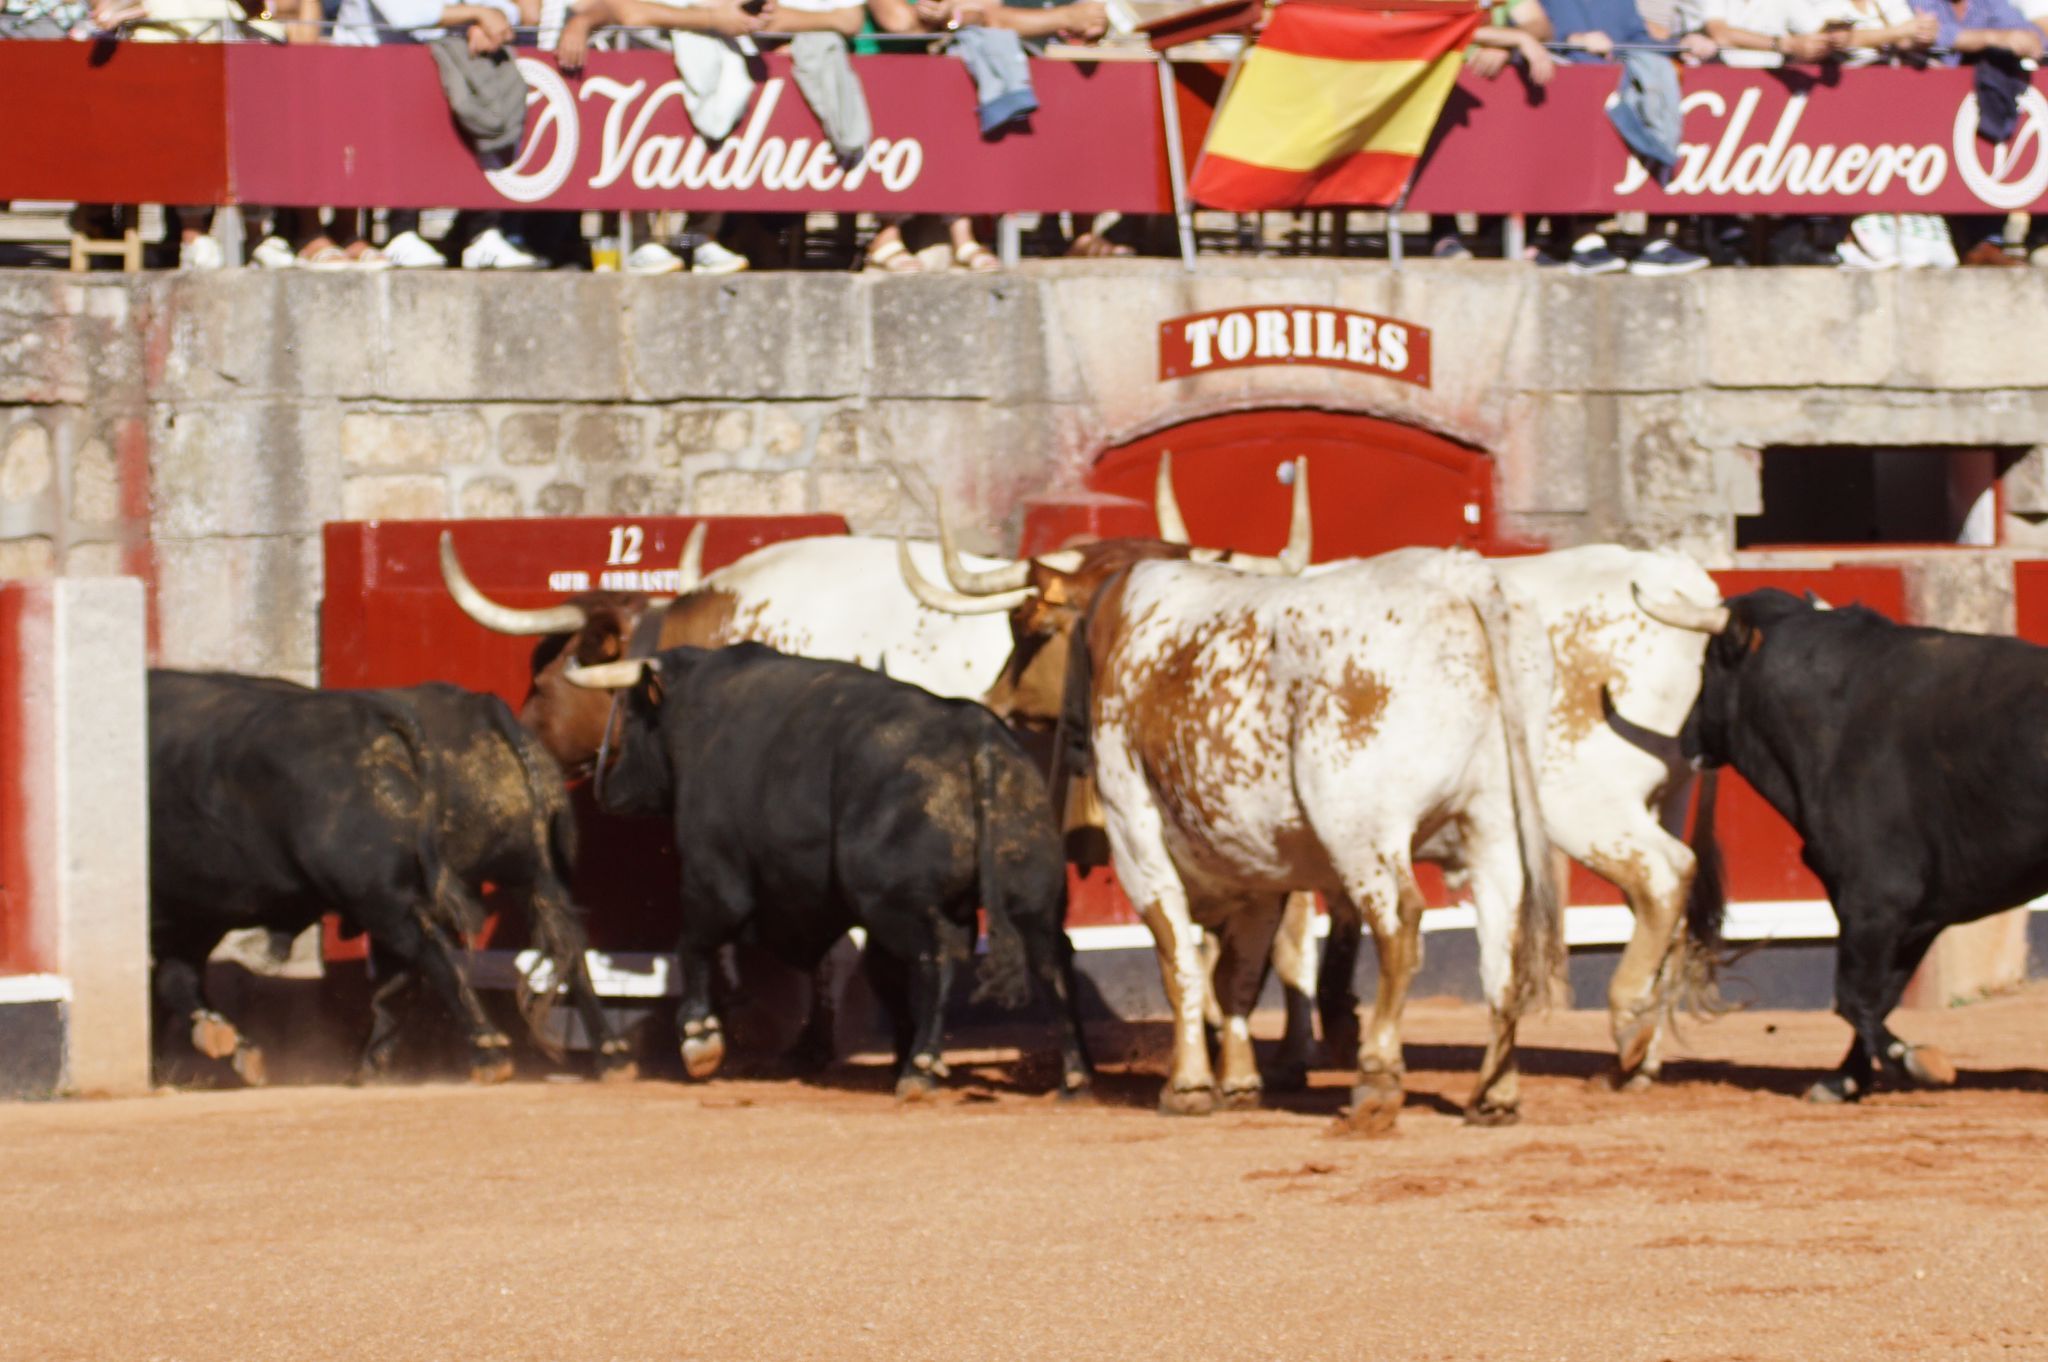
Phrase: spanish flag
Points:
(1334, 105)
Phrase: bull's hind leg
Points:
(930, 974)
(1391, 905)
(1498, 888)
(422, 943)
(1051, 957)
(1294, 961)
(1874, 960)
(1245, 943)
(1654, 870)
(1337, 983)
(395, 981)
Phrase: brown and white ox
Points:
(1613, 795)
(1250, 737)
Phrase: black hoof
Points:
(916, 1087)
(1243, 1099)
(1187, 1101)
(1488, 1115)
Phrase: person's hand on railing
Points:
(488, 29)
(1919, 31)
(109, 15)
(732, 20)
(1084, 21)
(1595, 42)
(1698, 47)
(1808, 47)
(936, 14)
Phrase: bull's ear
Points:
(652, 687)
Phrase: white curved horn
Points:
(1681, 613)
(690, 567)
(1166, 506)
(503, 619)
(607, 675)
(969, 580)
(1300, 532)
(1293, 558)
(952, 602)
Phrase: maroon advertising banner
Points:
(1790, 141)
(617, 136)
(256, 123)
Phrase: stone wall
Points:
(224, 417)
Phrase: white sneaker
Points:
(1916, 244)
(712, 258)
(1941, 248)
(1876, 241)
(200, 253)
(651, 257)
(492, 251)
(274, 253)
(411, 251)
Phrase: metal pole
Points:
(1395, 246)
(1176, 167)
(1514, 236)
(1009, 240)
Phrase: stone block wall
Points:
(215, 421)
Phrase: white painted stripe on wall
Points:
(34, 988)
(651, 974)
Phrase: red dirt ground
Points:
(1716, 1218)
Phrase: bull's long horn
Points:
(690, 567)
(1294, 557)
(977, 583)
(1680, 613)
(952, 602)
(502, 619)
(1166, 506)
(607, 675)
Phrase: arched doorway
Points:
(1374, 485)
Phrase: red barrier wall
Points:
(16, 953)
(387, 620)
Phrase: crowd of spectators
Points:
(1647, 39)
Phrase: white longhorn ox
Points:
(1255, 736)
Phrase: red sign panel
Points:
(387, 620)
(1331, 337)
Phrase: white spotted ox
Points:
(1253, 736)
(1613, 796)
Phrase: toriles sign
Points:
(1333, 337)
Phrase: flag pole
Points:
(1176, 165)
(1396, 249)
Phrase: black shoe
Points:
(1591, 256)
(1665, 256)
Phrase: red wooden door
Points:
(1373, 485)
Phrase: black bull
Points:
(1912, 763)
(272, 804)
(812, 797)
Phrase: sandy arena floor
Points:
(1716, 1218)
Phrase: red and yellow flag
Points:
(1333, 106)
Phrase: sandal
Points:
(893, 257)
(1089, 244)
(976, 257)
(326, 258)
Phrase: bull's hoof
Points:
(1077, 1085)
(1490, 1114)
(248, 1065)
(1374, 1110)
(1288, 1075)
(615, 1063)
(1929, 1067)
(703, 1051)
(490, 1068)
(1243, 1096)
(214, 1035)
(916, 1086)
(1834, 1090)
(806, 1058)
(1623, 1080)
(1187, 1101)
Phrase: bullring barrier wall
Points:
(198, 430)
(74, 838)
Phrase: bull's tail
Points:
(450, 907)
(556, 931)
(1704, 953)
(1005, 974)
(1539, 940)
